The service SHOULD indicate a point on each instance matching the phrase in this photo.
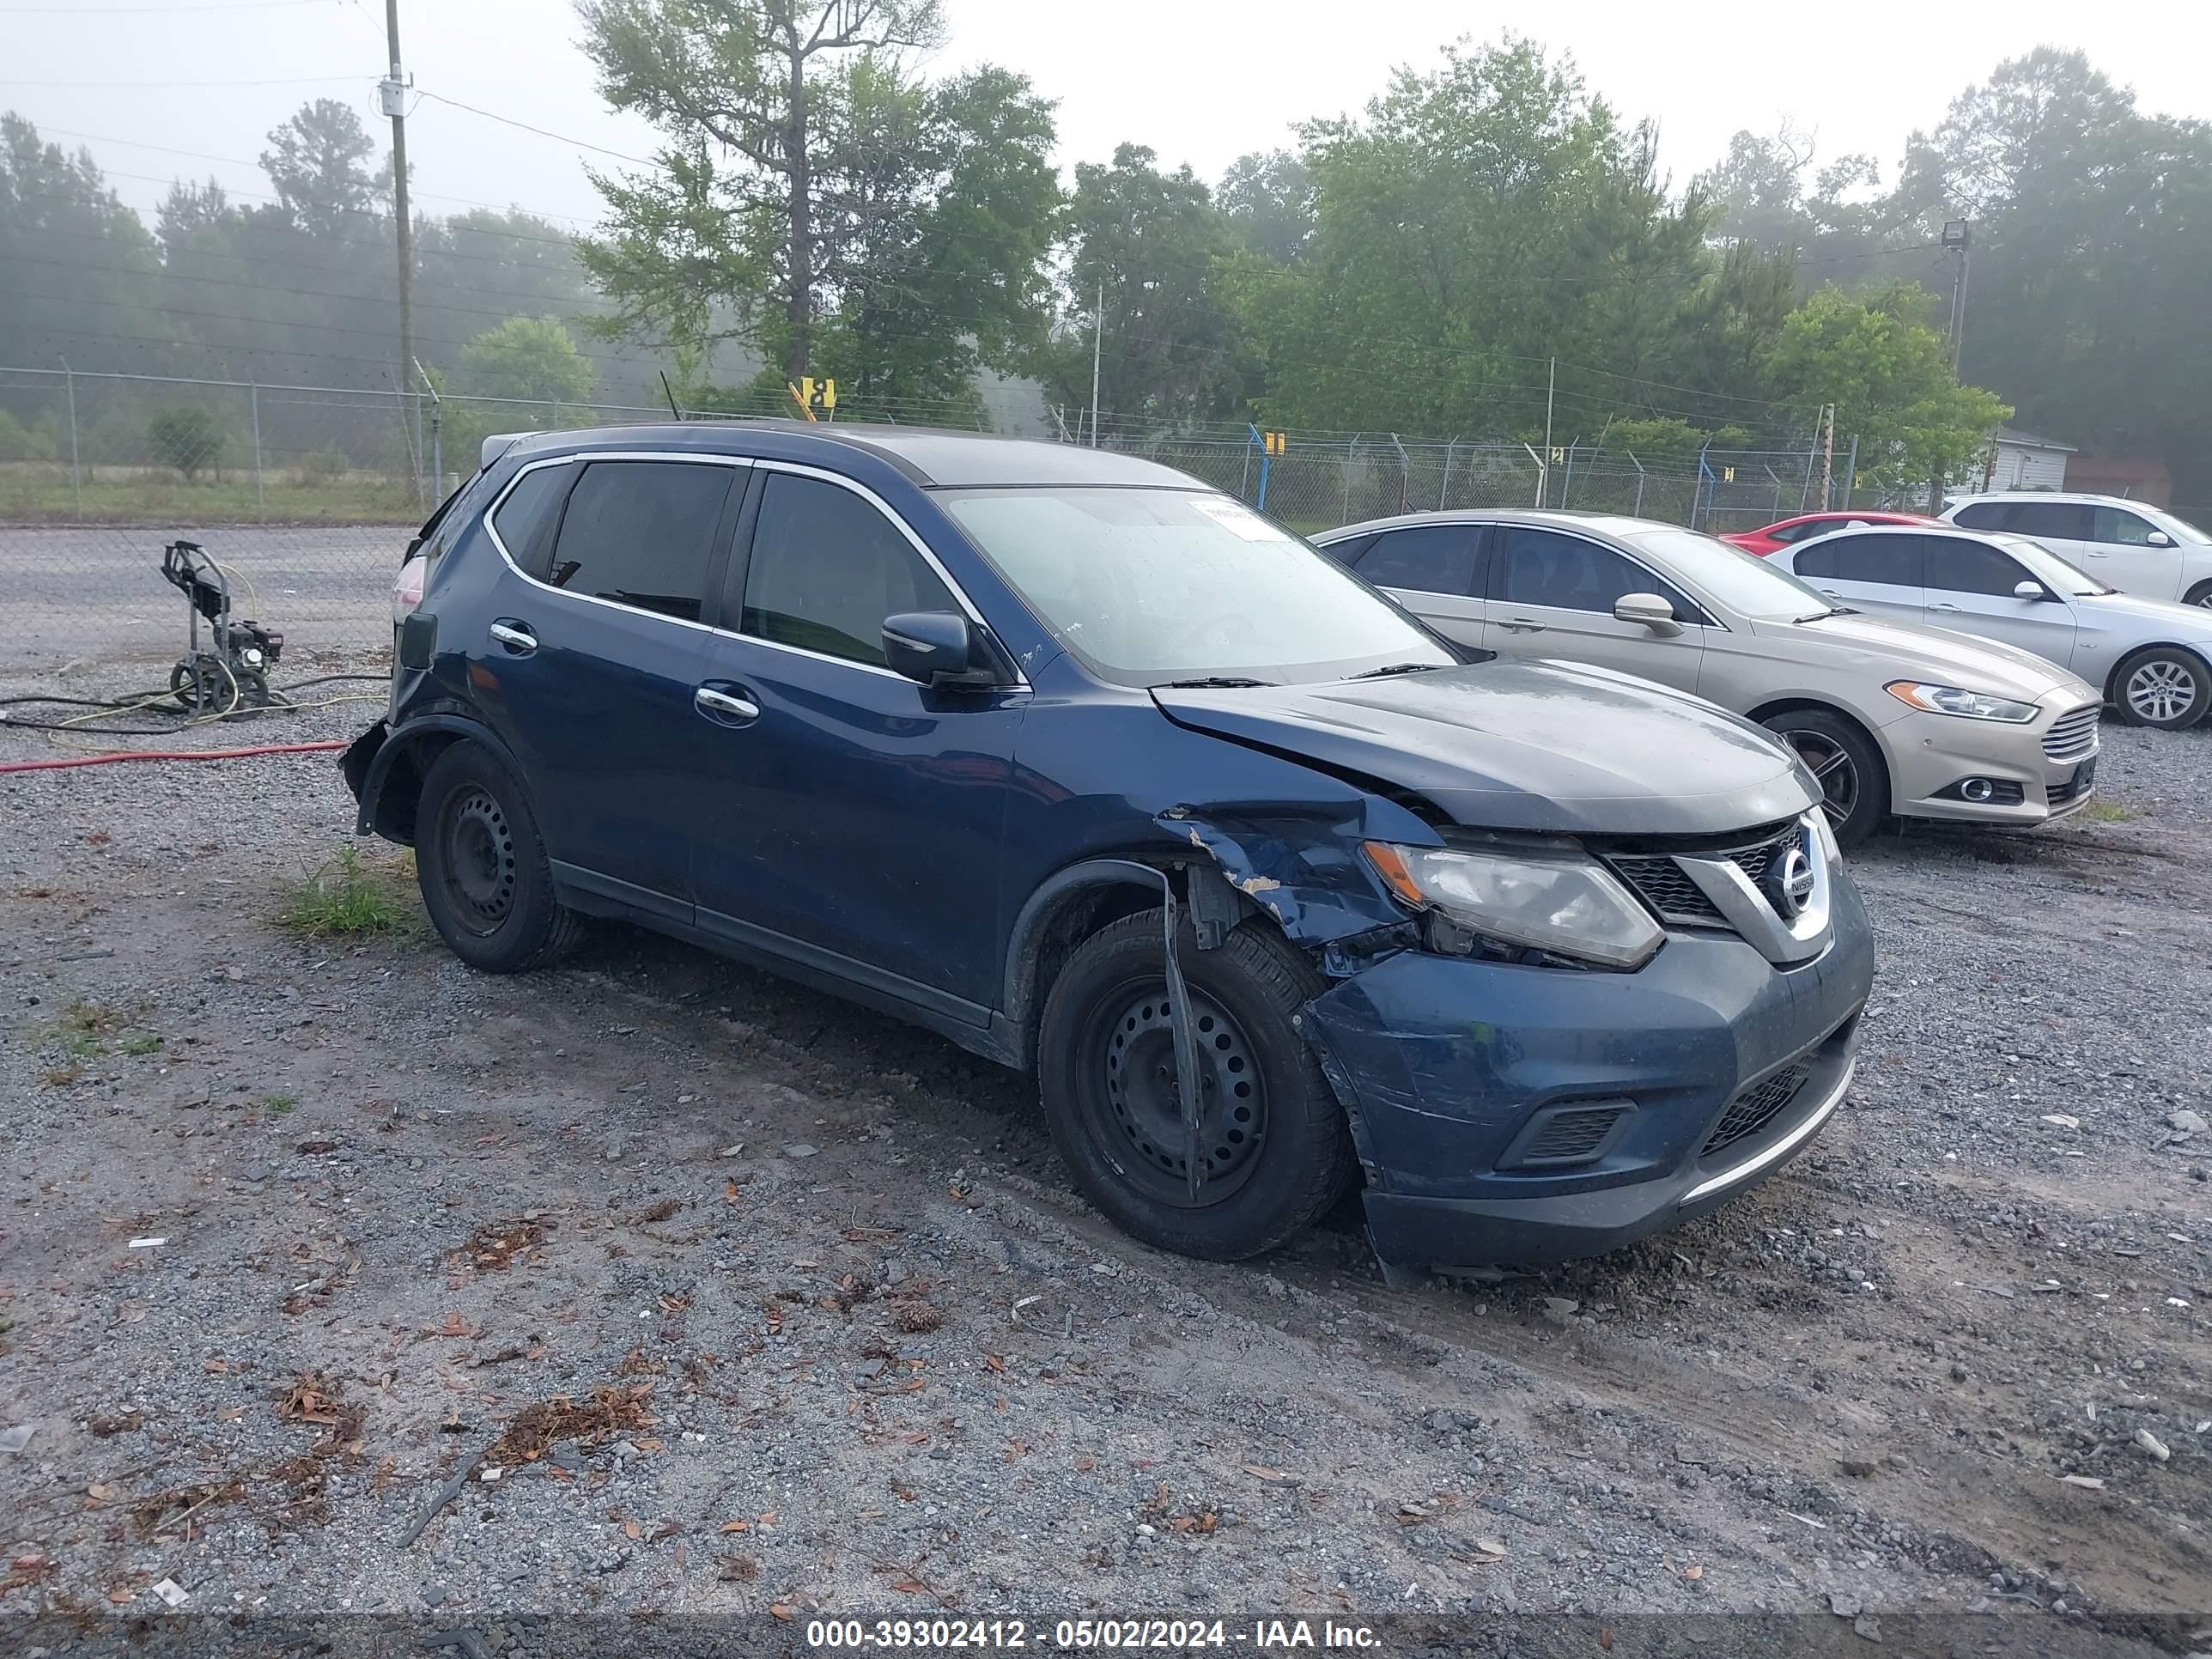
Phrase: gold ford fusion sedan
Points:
(1891, 717)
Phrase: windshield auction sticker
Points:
(1235, 515)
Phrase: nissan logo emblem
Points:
(1789, 884)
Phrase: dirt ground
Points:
(726, 1298)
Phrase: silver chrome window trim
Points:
(1712, 612)
(687, 457)
(579, 458)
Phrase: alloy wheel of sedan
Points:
(2162, 690)
(1831, 765)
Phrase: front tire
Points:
(1275, 1146)
(2164, 687)
(482, 865)
(2200, 594)
(1846, 764)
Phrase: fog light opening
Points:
(1977, 789)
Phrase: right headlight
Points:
(1957, 700)
(1571, 907)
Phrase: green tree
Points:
(76, 266)
(318, 164)
(529, 360)
(1889, 375)
(1155, 244)
(1268, 201)
(742, 205)
(188, 439)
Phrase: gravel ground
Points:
(752, 1300)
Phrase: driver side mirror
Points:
(1649, 609)
(2032, 591)
(2159, 538)
(937, 648)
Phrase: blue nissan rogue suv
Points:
(967, 729)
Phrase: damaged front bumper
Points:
(1515, 1114)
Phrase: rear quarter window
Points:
(524, 520)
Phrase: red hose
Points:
(172, 755)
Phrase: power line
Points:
(150, 86)
(153, 12)
(558, 137)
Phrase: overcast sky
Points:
(1200, 80)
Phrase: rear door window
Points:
(642, 533)
(2065, 521)
(1427, 558)
(526, 519)
(826, 569)
(1893, 561)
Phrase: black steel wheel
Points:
(482, 865)
(1843, 761)
(1143, 1105)
(1274, 1143)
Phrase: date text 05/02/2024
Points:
(1081, 1635)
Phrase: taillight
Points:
(407, 590)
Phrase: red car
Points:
(1786, 531)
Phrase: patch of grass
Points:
(278, 1105)
(81, 1026)
(2108, 812)
(345, 898)
(142, 1043)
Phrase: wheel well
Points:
(2112, 680)
(1053, 936)
(2198, 594)
(1814, 706)
(401, 791)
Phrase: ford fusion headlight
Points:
(1569, 906)
(1957, 700)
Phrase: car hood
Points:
(1538, 747)
(1900, 650)
(2179, 624)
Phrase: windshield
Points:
(1150, 585)
(1742, 582)
(2180, 529)
(2050, 569)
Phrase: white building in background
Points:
(2021, 460)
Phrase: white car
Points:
(2132, 546)
(2152, 659)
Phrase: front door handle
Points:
(514, 637)
(718, 705)
(1522, 625)
(1941, 604)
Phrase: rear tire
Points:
(1278, 1151)
(2200, 594)
(482, 865)
(1847, 764)
(2164, 686)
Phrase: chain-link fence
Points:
(309, 494)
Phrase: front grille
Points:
(1571, 1135)
(2072, 737)
(1660, 882)
(1662, 886)
(1755, 1107)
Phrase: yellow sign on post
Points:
(829, 395)
(1728, 475)
(1277, 443)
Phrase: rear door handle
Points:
(1523, 625)
(515, 637)
(723, 707)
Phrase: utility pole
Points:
(393, 89)
(1958, 238)
(1097, 339)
